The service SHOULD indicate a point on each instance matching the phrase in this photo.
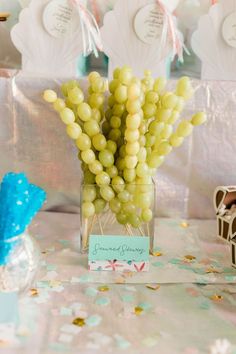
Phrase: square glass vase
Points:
(117, 210)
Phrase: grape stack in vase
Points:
(123, 130)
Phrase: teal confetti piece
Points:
(42, 284)
(93, 321)
(51, 267)
(85, 279)
(158, 264)
(91, 292)
(122, 343)
(103, 301)
(205, 305)
(65, 311)
(174, 261)
(64, 243)
(145, 306)
(127, 298)
(230, 278)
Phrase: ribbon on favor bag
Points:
(170, 30)
(213, 2)
(90, 30)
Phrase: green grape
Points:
(142, 140)
(176, 140)
(180, 104)
(118, 109)
(121, 94)
(131, 188)
(98, 85)
(184, 129)
(114, 134)
(120, 142)
(198, 118)
(76, 95)
(129, 208)
(112, 171)
(99, 142)
(154, 160)
(132, 148)
(149, 110)
(111, 146)
(120, 164)
(152, 97)
(50, 96)
(84, 112)
(142, 155)
(164, 148)
(93, 76)
(64, 89)
(174, 117)
(143, 200)
(133, 106)
(159, 85)
(91, 127)
(99, 205)
(150, 139)
(106, 158)
(134, 91)
(71, 84)
(169, 100)
(131, 161)
(115, 205)
(96, 100)
(89, 177)
(133, 121)
(89, 193)
(108, 114)
(88, 209)
(105, 127)
(83, 142)
(69, 104)
(121, 218)
(96, 167)
(116, 73)
(146, 215)
(115, 122)
(143, 128)
(129, 174)
(59, 105)
(167, 131)
(107, 193)
(102, 178)
(122, 151)
(74, 130)
(88, 156)
(155, 127)
(113, 85)
(124, 196)
(144, 185)
(132, 135)
(67, 116)
(118, 184)
(142, 169)
(163, 114)
(111, 101)
(125, 75)
(96, 115)
(184, 88)
(134, 220)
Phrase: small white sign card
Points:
(132, 35)
(214, 41)
(49, 37)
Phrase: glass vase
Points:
(127, 210)
(19, 260)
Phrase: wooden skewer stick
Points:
(85, 234)
(148, 229)
(100, 226)
(127, 229)
(141, 231)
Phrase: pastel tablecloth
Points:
(185, 304)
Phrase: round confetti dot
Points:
(103, 288)
(145, 306)
(103, 301)
(93, 321)
(138, 310)
(127, 298)
(189, 257)
(80, 322)
(184, 224)
(157, 254)
(216, 297)
(91, 292)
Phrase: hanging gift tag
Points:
(59, 18)
(148, 24)
(229, 30)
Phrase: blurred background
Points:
(187, 13)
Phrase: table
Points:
(185, 304)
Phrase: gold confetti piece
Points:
(103, 288)
(216, 297)
(138, 310)
(184, 224)
(153, 286)
(157, 254)
(44, 252)
(34, 292)
(189, 257)
(80, 322)
(212, 270)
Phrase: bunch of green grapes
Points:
(123, 131)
